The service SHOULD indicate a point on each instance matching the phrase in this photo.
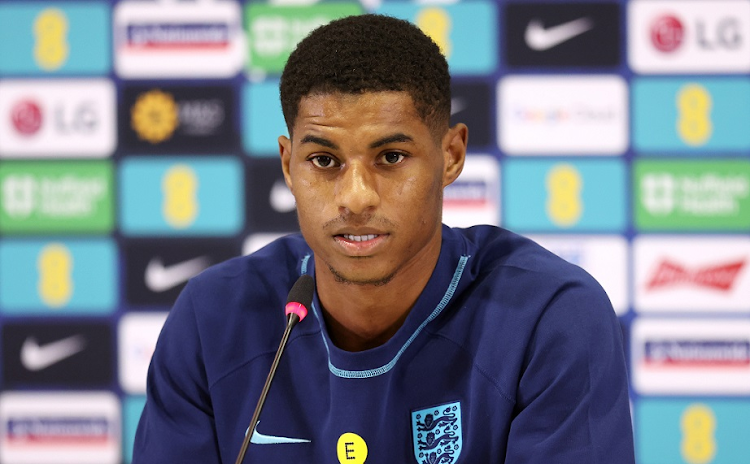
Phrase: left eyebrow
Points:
(395, 138)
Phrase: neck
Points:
(360, 317)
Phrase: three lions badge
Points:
(436, 434)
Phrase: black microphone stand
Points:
(292, 320)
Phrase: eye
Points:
(393, 157)
(323, 161)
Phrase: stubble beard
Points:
(341, 279)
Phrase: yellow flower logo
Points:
(155, 116)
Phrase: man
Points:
(425, 344)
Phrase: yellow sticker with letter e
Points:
(351, 449)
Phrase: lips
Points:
(360, 243)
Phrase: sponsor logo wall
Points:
(138, 147)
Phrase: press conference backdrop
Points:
(138, 147)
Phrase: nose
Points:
(356, 189)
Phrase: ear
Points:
(285, 151)
(454, 152)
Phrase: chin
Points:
(361, 278)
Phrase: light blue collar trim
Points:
(304, 263)
(346, 374)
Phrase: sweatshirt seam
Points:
(254, 358)
(479, 368)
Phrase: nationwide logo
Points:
(678, 356)
(55, 197)
(26, 117)
(56, 427)
(474, 198)
(40, 431)
(184, 40)
(179, 117)
(166, 36)
(469, 193)
(667, 33)
(697, 353)
(717, 277)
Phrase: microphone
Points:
(299, 299)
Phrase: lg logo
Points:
(80, 118)
(726, 34)
(668, 34)
(27, 117)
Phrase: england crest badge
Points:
(436, 433)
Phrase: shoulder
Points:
(518, 264)
(275, 266)
(521, 303)
(517, 288)
(234, 310)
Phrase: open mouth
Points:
(359, 238)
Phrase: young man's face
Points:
(368, 177)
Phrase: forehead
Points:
(320, 110)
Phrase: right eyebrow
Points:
(319, 141)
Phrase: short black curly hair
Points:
(369, 53)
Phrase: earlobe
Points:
(454, 151)
(285, 152)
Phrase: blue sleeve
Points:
(572, 401)
(177, 424)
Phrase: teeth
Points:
(359, 238)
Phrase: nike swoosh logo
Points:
(260, 439)
(35, 357)
(281, 198)
(458, 105)
(160, 278)
(538, 38)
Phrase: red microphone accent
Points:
(296, 308)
